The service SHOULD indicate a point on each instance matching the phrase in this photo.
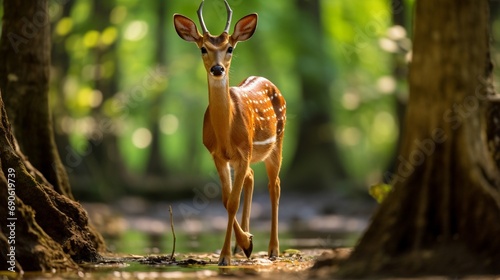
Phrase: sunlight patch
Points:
(350, 101)
(136, 30)
(64, 26)
(91, 38)
(142, 137)
(169, 124)
(386, 84)
(350, 136)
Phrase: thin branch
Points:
(173, 231)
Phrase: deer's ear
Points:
(244, 28)
(186, 29)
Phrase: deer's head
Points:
(216, 51)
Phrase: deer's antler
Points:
(229, 16)
(200, 16)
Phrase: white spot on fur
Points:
(268, 141)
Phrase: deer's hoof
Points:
(273, 254)
(224, 261)
(248, 251)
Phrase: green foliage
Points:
(117, 71)
(366, 122)
(380, 191)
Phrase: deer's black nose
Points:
(217, 70)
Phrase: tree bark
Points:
(493, 129)
(50, 231)
(17, 252)
(443, 215)
(24, 79)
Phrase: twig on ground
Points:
(173, 231)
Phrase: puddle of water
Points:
(135, 270)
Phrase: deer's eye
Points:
(203, 50)
(230, 50)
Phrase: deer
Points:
(242, 125)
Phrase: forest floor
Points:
(291, 265)
(319, 264)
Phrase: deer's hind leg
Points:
(273, 165)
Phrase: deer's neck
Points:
(220, 108)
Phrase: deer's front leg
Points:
(232, 204)
(245, 217)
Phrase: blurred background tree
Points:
(128, 96)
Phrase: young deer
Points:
(242, 125)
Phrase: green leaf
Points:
(380, 191)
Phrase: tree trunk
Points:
(399, 72)
(24, 79)
(443, 216)
(155, 165)
(316, 161)
(493, 131)
(45, 230)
